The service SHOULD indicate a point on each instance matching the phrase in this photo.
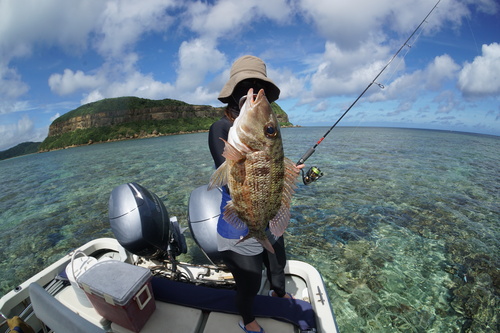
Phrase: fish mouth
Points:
(251, 98)
(243, 124)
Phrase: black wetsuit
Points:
(247, 270)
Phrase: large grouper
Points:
(261, 180)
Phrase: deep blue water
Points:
(404, 225)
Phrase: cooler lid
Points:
(113, 279)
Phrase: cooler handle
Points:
(77, 252)
(138, 299)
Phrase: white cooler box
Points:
(120, 292)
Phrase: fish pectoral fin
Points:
(231, 153)
(219, 177)
(291, 171)
(279, 223)
(289, 184)
(231, 216)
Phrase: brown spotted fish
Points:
(260, 179)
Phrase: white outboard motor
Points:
(140, 223)
(204, 211)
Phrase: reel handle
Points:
(312, 175)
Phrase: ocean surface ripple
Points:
(404, 226)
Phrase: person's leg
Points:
(247, 273)
(275, 264)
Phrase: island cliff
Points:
(132, 117)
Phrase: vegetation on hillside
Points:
(21, 149)
(118, 103)
(122, 131)
(126, 131)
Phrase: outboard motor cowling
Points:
(139, 220)
(204, 211)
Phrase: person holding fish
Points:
(257, 184)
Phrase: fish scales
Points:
(259, 193)
(260, 179)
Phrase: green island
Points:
(124, 118)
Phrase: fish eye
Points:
(270, 131)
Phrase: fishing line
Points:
(473, 36)
(314, 173)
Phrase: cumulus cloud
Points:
(346, 72)
(133, 84)
(348, 44)
(196, 58)
(443, 68)
(121, 23)
(440, 71)
(225, 17)
(482, 77)
(447, 102)
(352, 23)
(21, 22)
(69, 82)
(11, 84)
(22, 131)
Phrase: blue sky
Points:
(56, 55)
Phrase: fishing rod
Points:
(314, 173)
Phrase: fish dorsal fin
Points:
(231, 153)
(231, 216)
(219, 177)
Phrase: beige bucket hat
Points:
(248, 67)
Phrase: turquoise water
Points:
(404, 225)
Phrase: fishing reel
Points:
(312, 175)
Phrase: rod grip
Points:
(308, 154)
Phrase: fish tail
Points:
(267, 244)
(264, 242)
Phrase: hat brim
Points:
(271, 90)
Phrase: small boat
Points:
(134, 282)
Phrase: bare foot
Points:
(253, 326)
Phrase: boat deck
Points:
(172, 318)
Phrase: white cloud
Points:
(345, 23)
(26, 23)
(350, 44)
(11, 85)
(290, 84)
(22, 131)
(440, 71)
(352, 23)
(69, 82)
(54, 117)
(346, 72)
(93, 96)
(482, 77)
(225, 18)
(447, 102)
(133, 84)
(11, 106)
(197, 58)
(122, 22)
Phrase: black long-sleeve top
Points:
(218, 130)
